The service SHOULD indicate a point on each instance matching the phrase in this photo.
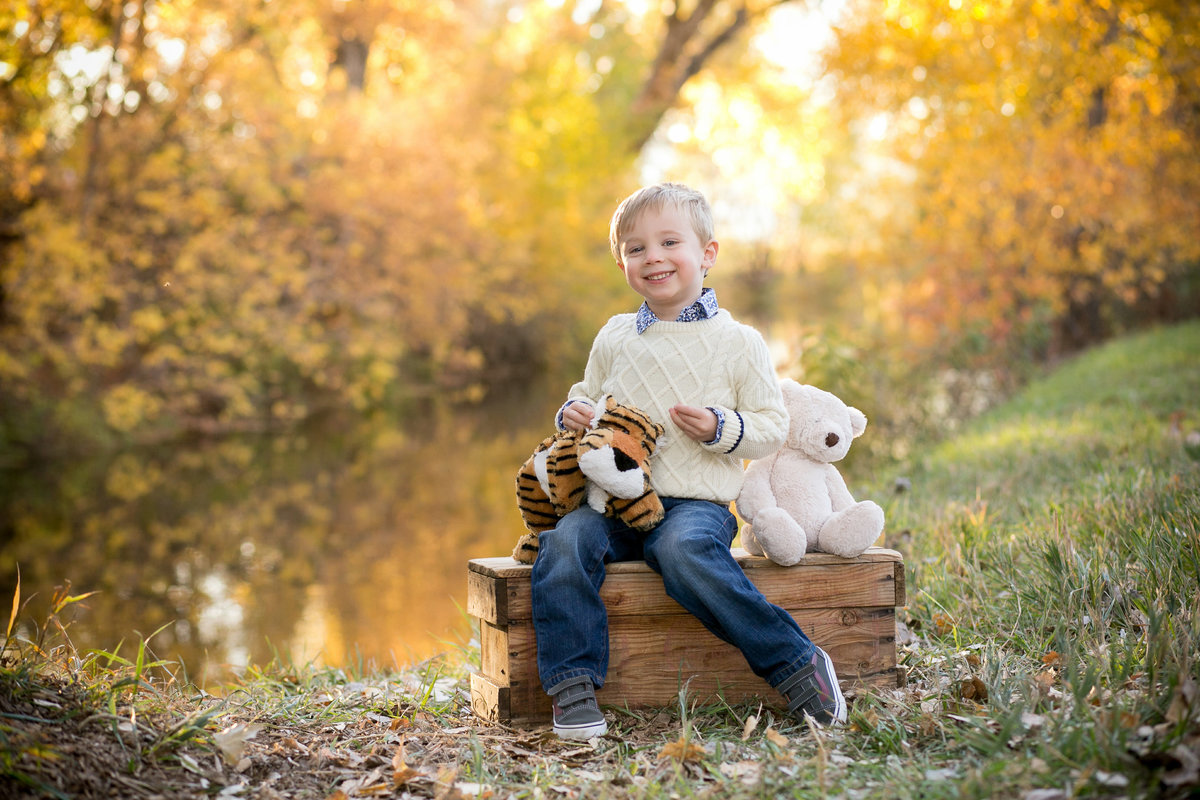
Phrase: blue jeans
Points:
(690, 549)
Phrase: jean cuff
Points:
(791, 669)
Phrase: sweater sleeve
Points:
(758, 425)
(598, 367)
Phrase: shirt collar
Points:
(704, 308)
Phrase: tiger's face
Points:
(615, 454)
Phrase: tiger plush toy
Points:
(606, 466)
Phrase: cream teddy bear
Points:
(796, 500)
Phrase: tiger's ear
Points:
(610, 402)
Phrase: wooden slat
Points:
(485, 595)
(507, 567)
(495, 658)
(490, 701)
(630, 592)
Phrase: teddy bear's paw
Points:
(781, 538)
(750, 542)
(851, 531)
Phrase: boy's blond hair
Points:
(655, 197)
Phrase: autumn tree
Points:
(224, 237)
(1049, 154)
(224, 216)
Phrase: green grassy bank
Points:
(1052, 644)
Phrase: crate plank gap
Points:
(847, 606)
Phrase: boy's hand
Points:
(577, 417)
(698, 423)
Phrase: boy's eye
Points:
(670, 243)
(637, 248)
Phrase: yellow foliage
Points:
(127, 407)
(1049, 150)
(130, 478)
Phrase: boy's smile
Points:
(664, 260)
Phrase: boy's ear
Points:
(710, 253)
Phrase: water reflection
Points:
(339, 545)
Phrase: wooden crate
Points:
(847, 606)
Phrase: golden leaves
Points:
(1042, 185)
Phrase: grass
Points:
(1052, 648)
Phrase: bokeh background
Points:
(289, 289)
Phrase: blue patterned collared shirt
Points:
(704, 308)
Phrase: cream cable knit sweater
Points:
(715, 362)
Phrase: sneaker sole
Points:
(839, 711)
(581, 731)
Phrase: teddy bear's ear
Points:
(858, 421)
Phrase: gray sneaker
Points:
(814, 691)
(576, 713)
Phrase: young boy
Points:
(709, 381)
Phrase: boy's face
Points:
(664, 260)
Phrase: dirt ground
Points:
(55, 741)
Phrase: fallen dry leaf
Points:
(748, 772)
(1031, 721)
(402, 774)
(338, 759)
(1185, 704)
(682, 750)
(366, 785)
(942, 623)
(290, 743)
(232, 741)
(973, 689)
(869, 720)
(751, 724)
(1188, 771)
(1052, 659)
(1045, 679)
(1044, 794)
(776, 738)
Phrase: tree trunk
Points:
(685, 49)
(351, 56)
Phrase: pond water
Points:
(346, 545)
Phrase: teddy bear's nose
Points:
(831, 440)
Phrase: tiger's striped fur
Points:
(552, 483)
